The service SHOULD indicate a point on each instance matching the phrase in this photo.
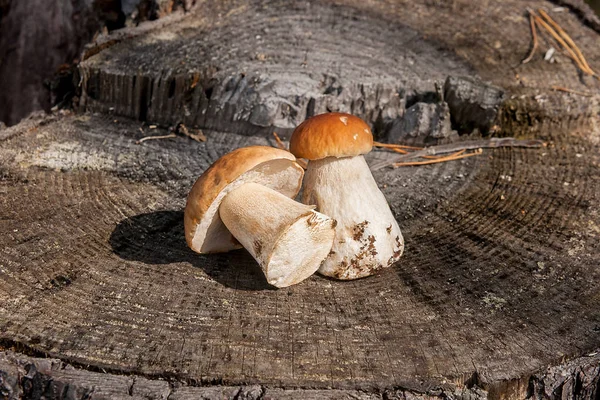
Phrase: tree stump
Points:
(496, 296)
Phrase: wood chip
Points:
(196, 134)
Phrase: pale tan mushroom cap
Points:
(331, 135)
(268, 166)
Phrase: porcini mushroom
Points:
(245, 198)
(339, 182)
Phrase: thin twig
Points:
(395, 150)
(171, 135)
(454, 147)
(302, 162)
(560, 41)
(279, 142)
(395, 146)
(567, 90)
(568, 39)
(438, 160)
(534, 38)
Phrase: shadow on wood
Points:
(157, 238)
(500, 274)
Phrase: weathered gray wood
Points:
(248, 66)
(423, 124)
(22, 376)
(499, 279)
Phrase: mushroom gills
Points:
(289, 240)
(367, 235)
(275, 174)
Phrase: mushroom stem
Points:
(288, 239)
(367, 235)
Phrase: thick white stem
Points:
(288, 239)
(367, 235)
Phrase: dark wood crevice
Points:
(30, 377)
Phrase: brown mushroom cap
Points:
(331, 135)
(268, 166)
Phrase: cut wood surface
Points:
(31, 377)
(499, 280)
(499, 277)
(245, 66)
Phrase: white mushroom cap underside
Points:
(282, 175)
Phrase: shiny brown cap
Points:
(268, 166)
(331, 135)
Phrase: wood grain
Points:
(499, 278)
(247, 66)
